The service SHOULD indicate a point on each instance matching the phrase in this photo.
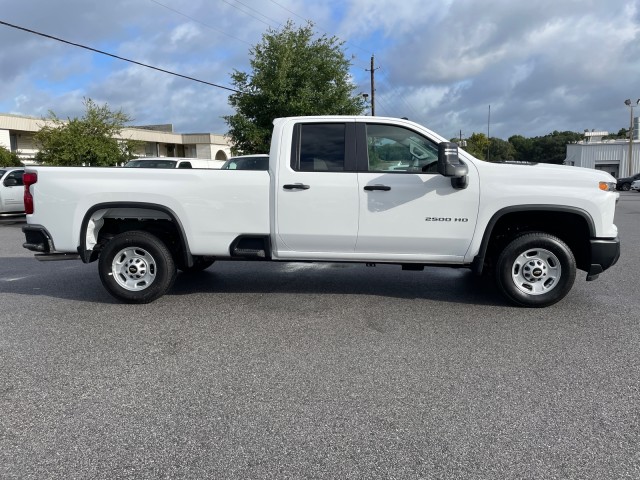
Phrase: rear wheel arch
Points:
(156, 219)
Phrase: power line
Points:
(198, 21)
(394, 91)
(254, 10)
(116, 56)
(323, 29)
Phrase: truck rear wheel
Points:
(535, 270)
(136, 267)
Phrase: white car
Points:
(636, 186)
(247, 162)
(11, 190)
(173, 162)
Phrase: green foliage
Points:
(293, 74)
(90, 140)
(523, 148)
(501, 150)
(622, 134)
(477, 145)
(551, 148)
(9, 158)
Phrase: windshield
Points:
(151, 164)
(2, 172)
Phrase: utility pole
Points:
(489, 136)
(373, 88)
(628, 103)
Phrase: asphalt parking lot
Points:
(256, 370)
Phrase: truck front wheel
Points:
(535, 270)
(136, 267)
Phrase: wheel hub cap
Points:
(134, 268)
(536, 271)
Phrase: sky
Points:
(502, 67)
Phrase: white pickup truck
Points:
(338, 189)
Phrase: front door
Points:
(407, 209)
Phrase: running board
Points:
(249, 253)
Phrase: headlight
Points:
(607, 186)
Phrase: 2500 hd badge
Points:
(445, 219)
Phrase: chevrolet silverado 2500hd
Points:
(338, 189)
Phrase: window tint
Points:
(397, 149)
(185, 165)
(151, 164)
(17, 175)
(322, 147)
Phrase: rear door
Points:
(317, 192)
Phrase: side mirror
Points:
(10, 182)
(450, 165)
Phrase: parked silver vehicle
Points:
(11, 190)
(635, 186)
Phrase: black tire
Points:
(199, 264)
(136, 267)
(625, 187)
(535, 270)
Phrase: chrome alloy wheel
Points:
(536, 271)
(134, 268)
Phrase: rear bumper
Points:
(37, 239)
(605, 252)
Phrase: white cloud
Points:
(542, 66)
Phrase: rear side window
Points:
(15, 175)
(321, 148)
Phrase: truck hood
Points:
(543, 174)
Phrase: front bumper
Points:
(605, 252)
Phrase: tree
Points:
(90, 140)
(477, 145)
(501, 150)
(9, 158)
(523, 148)
(292, 74)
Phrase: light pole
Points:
(628, 103)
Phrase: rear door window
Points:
(323, 147)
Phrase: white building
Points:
(17, 134)
(612, 156)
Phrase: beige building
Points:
(17, 134)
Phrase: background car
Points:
(173, 162)
(636, 186)
(11, 190)
(625, 183)
(247, 162)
